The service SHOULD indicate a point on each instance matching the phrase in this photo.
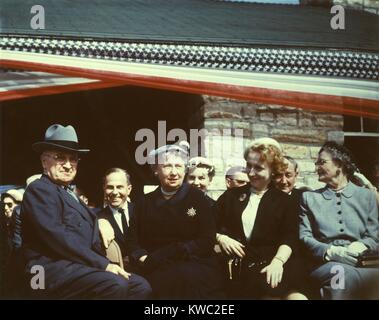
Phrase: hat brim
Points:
(43, 146)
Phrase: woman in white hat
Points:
(9, 200)
(172, 235)
(200, 174)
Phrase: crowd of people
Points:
(263, 238)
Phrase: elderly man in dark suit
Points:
(118, 210)
(61, 235)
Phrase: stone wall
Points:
(366, 5)
(300, 132)
(371, 6)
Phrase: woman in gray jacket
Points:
(337, 223)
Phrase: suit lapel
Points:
(130, 213)
(84, 212)
(130, 210)
(114, 224)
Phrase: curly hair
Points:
(200, 162)
(271, 154)
(341, 156)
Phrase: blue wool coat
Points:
(329, 218)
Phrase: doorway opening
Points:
(106, 122)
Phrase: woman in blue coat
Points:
(339, 222)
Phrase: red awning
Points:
(342, 96)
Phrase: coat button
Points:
(79, 224)
(338, 195)
(341, 230)
(339, 212)
(339, 202)
(340, 221)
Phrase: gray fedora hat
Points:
(59, 137)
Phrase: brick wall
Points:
(300, 132)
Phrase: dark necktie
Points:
(71, 191)
(123, 220)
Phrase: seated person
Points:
(172, 233)
(339, 222)
(117, 188)
(61, 234)
(10, 201)
(200, 174)
(236, 177)
(258, 224)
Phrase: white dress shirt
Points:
(117, 215)
(250, 213)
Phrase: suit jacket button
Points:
(79, 224)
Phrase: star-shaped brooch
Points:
(191, 212)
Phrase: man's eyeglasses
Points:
(238, 181)
(61, 159)
(321, 162)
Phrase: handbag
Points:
(369, 259)
(236, 264)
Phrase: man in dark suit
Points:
(286, 182)
(61, 235)
(118, 210)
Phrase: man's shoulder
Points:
(130, 207)
(39, 185)
(43, 182)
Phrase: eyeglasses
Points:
(321, 162)
(8, 204)
(238, 181)
(61, 159)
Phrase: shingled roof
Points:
(195, 21)
(282, 54)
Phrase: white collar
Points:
(259, 194)
(115, 210)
